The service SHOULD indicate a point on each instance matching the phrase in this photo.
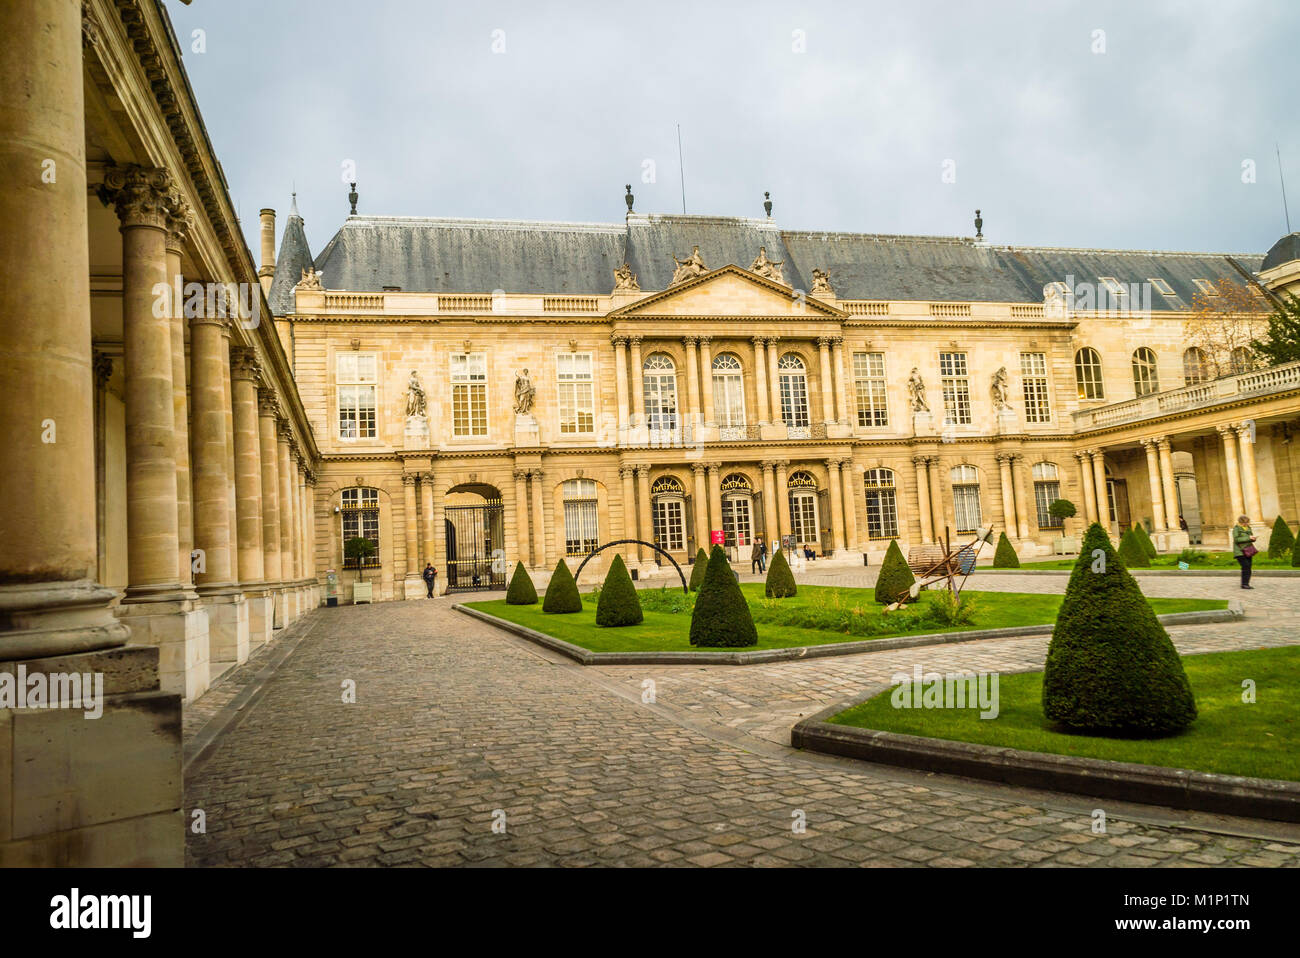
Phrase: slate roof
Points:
(1284, 251)
(293, 258)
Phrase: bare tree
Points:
(1224, 324)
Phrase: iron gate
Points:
(476, 557)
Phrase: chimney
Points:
(267, 272)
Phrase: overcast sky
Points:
(544, 110)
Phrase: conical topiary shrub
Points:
(1005, 557)
(618, 603)
(1280, 541)
(697, 570)
(895, 576)
(1111, 668)
(780, 580)
(1131, 552)
(1144, 538)
(562, 591)
(521, 590)
(721, 617)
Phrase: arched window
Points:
(359, 514)
(668, 513)
(1194, 366)
(793, 376)
(1145, 379)
(737, 509)
(728, 395)
(1047, 489)
(1087, 374)
(1243, 360)
(580, 517)
(882, 504)
(802, 492)
(660, 387)
(966, 497)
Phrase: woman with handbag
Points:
(1243, 548)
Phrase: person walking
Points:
(1243, 548)
(430, 576)
(756, 555)
(762, 554)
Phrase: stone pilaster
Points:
(851, 485)
(782, 501)
(245, 380)
(706, 379)
(1004, 461)
(701, 508)
(923, 509)
(843, 384)
(427, 553)
(288, 520)
(412, 587)
(645, 526)
(620, 384)
(638, 383)
(522, 539)
(837, 502)
(760, 382)
(179, 221)
(1024, 505)
(771, 520)
(828, 384)
(628, 475)
(539, 519)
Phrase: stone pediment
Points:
(729, 291)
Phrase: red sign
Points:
(717, 537)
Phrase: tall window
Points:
(728, 393)
(882, 504)
(1243, 360)
(1194, 366)
(794, 391)
(1145, 380)
(1033, 374)
(1087, 374)
(659, 376)
(668, 513)
(580, 513)
(966, 498)
(359, 513)
(869, 385)
(802, 490)
(356, 374)
(956, 389)
(468, 394)
(573, 372)
(737, 519)
(1047, 489)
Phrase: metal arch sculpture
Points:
(641, 542)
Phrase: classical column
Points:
(212, 518)
(429, 526)
(774, 380)
(141, 197)
(179, 221)
(706, 380)
(923, 510)
(620, 379)
(1249, 475)
(828, 383)
(1085, 484)
(638, 386)
(837, 501)
(760, 382)
(229, 408)
(539, 519)
(268, 410)
(771, 520)
(248, 465)
(302, 518)
(849, 485)
(1008, 496)
(287, 571)
(628, 475)
(522, 553)
(701, 507)
(411, 523)
(1099, 483)
(715, 502)
(1024, 508)
(1153, 479)
(692, 383)
(1231, 467)
(782, 498)
(842, 383)
(1167, 482)
(309, 528)
(644, 526)
(936, 498)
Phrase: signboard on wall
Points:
(717, 537)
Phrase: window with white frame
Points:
(1033, 375)
(802, 492)
(882, 504)
(575, 384)
(1113, 286)
(1145, 378)
(355, 376)
(659, 384)
(581, 512)
(1087, 374)
(793, 378)
(1206, 287)
(728, 391)
(869, 386)
(956, 389)
(668, 513)
(1161, 286)
(1195, 366)
(1047, 489)
(359, 518)
(966, 498)
(468, 394)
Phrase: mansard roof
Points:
(293, 258)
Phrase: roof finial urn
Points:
(767, 204)
(629, 199)
(352, 198)
(979, 226)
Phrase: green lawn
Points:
(1229, 736)
(1210, 560)
(818, 615)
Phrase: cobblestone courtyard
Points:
(457, 727)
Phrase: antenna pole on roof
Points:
(1280, 177)
(681, 169)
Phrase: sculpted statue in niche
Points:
(821, 283)
(916, 392)
(624, 278)
(416, 402)
(525, 393)
(1000, 389)
(688, 268)
(766, 267)
(310, 279)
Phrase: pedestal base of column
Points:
(413, 587)
(773, 431)
(1262, 534)
(291, 605)
(181, 631)
(261, 617)
(227, 628)
(281, 604)
(58, 618)
(117, 777)
(1176, 540)
(527, 432)
(922, 424)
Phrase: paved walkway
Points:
(457, 727)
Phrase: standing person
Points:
(430, 576)
(1243, 549)
(762, 554)
(1182, 523)
(756, 555)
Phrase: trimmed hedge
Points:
(1281, 540)
(618, 604)
(697, 570)
(780, 582)
(1005, 557)
(895, 576)
(1131, 552)
(1144, 537)
(521, 590)
(562, 592)
(1111, 667)
(1295, 554)
(721, 618)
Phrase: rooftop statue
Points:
(310, 279)
(624, 278)
(821, 283)
(688, 268)
(766, 267)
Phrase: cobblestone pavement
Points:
(457, 726)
